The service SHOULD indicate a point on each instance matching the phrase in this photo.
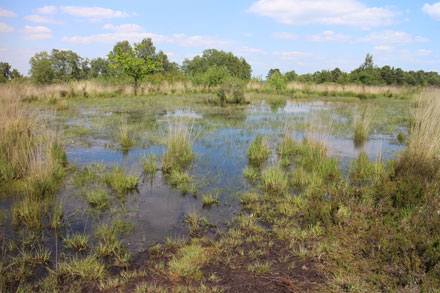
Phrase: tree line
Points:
(367, 74)
(142, 62)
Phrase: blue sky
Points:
(299, 35)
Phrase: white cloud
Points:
(383, 48)
(292, 55)
(135, 33)
(36, 33)
(248, 35)
(247, 51)
(424, 52)
(432, 10)
(93, 13)
(130, 27)
(47, 10)
(327, 12)
(285, 35)
(393, 38)
(5, 28)
(41, 19)
(329, 36)
(7, 13)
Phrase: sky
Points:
(305, 36)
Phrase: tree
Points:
(237, 67)
(66, 64)
(133, 62)
(5, 71)
(271, 72)
(291, 76)
(100, 67)
(41, 68)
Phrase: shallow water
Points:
(221, 142)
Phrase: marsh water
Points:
(221, 138)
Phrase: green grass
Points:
(149, 163)
(78, 242)
(98, 199)
(209, 200)
(179, 153)
(362, 171)
(197, 224)
(251, 174)
(86, 269)
(126, 140)
(274, 180)
(187, 263)
(29, 212)
(362, 125)
(119, 181)
(258, 151)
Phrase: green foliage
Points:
(119, 181)
(258, 151)
(231, 91)
(133, 62)
(236, 67)
(274, 180)
(277, 82)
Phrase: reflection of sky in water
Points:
(158, 210)
(183, 113)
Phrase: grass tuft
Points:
(258, 151)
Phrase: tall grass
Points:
(362, 125)
(258, 151)
(179, 153)
(424, 132)
(125, 139)
(27, 150)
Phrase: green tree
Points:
(100, 67)
(237, 67)
(271, 72)
(66, 64)
(41, 68)
(5, 71)
(133, 63)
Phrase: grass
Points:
(251, 174)
(179, 153)
(188, 261)
(126, 140)
(86, 269)
(197, 223)
(119, 181)
(29, 212)
(78, 242)
(149, 163)
(424, 131)
(362, 171)
(98, 199)
(258, 151)
(274, 180)
(362, 125)
(209, 200)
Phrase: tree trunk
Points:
(135, 86)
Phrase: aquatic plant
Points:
(98, 199)
(258, 151)
(125, 138)
(362, 124)
(179, 153)
(209, 200)
(274, 180)
(78, 242)
(119, 181)
(149, 163)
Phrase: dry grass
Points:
(424, 134)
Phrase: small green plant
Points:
(274, 180)
(98, 199)
(362, 124)
(251, 174)
(78, 242)
(209, 200)
(57, 216)
(87, 269)
(401, 137)
(197, 223)
(119, 181)
(125, 139)
(260, 268)
(179, 153)
(188, 261)
(179, 178)
(149, 163)
(258, 151)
